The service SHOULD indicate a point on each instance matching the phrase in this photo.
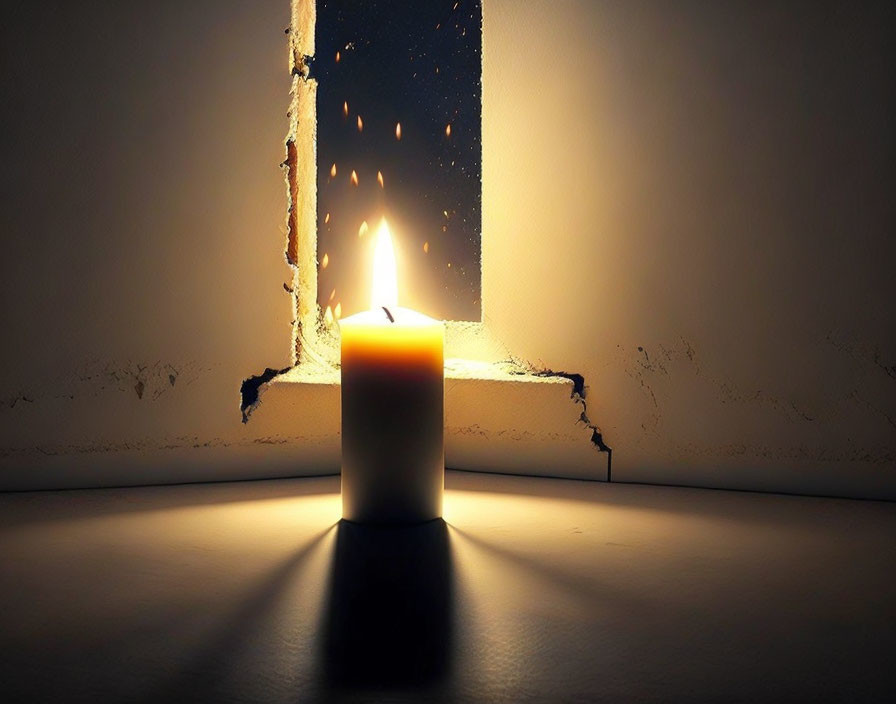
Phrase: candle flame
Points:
(345, 108)
(363, 229)
(328, 316)
(333, 170)
(354, 178)
(338, 56)
(379, 178)
(337, 311)
(448, 130)
(324, 261)
(384, 291)
(360, 124)
(398, 131)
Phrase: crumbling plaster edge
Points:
(315, 347)
(508, 371)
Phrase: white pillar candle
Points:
(393, 458)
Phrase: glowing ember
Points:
(360, 124)
(333, 171)
(345, 108)
(426, 247)
(326, 218)
(325, 261)
(448, 130)
(354, 178)
(338, 56)
(379, 178)
(332, 294)
(363, 229)
(398, 130)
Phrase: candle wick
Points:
(389, 315)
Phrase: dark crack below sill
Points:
(578, 394)
(250, 387)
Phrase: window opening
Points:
(399, 103)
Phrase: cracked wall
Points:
(697, 220)
(301, 179)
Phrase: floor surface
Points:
(532, 590)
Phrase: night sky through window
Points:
(381, 64)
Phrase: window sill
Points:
(498, 417)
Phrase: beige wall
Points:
(709, 184)
(142, 215)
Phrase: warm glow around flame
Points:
(384, 291)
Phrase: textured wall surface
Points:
(142, 219)
(690, 206)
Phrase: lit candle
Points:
(393, 381)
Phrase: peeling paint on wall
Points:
(144, 380)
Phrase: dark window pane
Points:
(417, 64)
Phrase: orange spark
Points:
(448, 130)
(398, 130)
(324, 261)
(360, 124)
(338, 56)
(332, 294)
(328, 316)
(354, 178)
(333, 170)
(363, 229)
(379, 178)
(426, 247)
(337, 311)
(345, 108)
(326, 218)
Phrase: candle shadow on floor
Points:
(388, 620)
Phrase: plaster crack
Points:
(250, 387)
(21, 397)
(578, 395)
